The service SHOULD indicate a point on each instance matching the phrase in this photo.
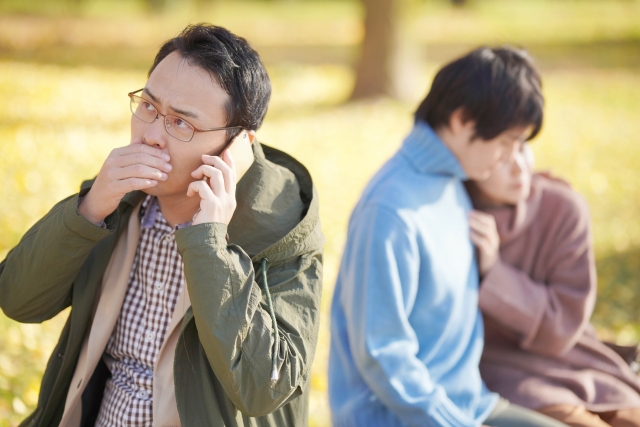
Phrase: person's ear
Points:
(251, 134)
(456, 122)
(459, 127)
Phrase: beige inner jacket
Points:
(106, 311)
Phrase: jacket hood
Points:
(277, 216)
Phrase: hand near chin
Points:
(484, 234)
(137, 166)
(216, 187)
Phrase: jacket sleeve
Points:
(381, 264)
(37, 276)
(233, 322)
(551, 315)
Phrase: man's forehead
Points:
(185, 87)
(175, 69)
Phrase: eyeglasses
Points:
(176, 127)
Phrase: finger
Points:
(478, 226)
(474, 238)
(139, 171)
(485, 221)
(480, 216)
(205, 171)
(135, 148)
(227, 172)
(202, 189)
(477, 238)
(228, 159)
(216, 179)
(134, 184)
(484, 245)
(142, 159)
(484, 218)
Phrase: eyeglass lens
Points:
(147, 112)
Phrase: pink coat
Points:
(540, 348)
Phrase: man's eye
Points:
(181, 124)
(147, 106)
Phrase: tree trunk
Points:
(156, 6)
(375, 69)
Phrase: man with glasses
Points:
(192, 262)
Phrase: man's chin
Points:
(152, 191)
(479, 175)
(160, 190)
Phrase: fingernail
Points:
(167, 167)
(164, 175)
(166, 157)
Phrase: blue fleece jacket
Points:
(407, 333)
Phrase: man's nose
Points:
(518, 165)
(156, 134)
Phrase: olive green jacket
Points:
(223, 357)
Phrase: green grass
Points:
(64, 107)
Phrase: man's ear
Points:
(459, 127)
(456, 121)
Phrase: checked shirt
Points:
(155, 283)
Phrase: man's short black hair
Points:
(234, 65)
(497, 88)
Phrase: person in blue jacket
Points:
(406, 331)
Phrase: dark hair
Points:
(497, 88)
(235, 66)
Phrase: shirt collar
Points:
(151, 209)
(424, 149)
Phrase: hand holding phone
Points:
(217, 179)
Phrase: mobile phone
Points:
(242, 153)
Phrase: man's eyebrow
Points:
(153, 98)
(176, 110)
(185, 113)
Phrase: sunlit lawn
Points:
(58, 122)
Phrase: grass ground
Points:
(64, 78)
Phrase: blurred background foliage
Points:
(66, 66)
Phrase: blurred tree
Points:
(156, 5)
(459, 2)
(388, 59)
(202, 4)
(374, 71)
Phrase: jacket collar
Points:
(428, 154)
